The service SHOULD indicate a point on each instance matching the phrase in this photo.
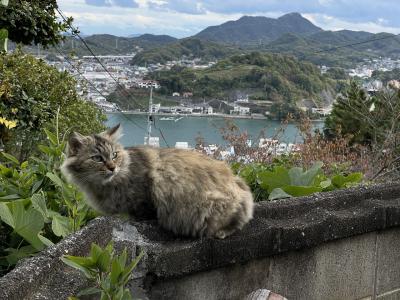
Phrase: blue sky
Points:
(182, 18)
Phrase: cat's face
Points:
(97, 158)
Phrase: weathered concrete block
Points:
(388, 256)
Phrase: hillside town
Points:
(97, 83)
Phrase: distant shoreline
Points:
(217, 115)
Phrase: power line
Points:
(93, 86)
(75, 32)
(358, 43)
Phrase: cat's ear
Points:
(75, 142)
(114, 133)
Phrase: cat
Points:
(190, 193)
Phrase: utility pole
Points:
(150, 116)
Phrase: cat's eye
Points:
(97, 158)
(115, 154)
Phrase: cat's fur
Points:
(189, 193)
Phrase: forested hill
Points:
(106, 44)
(189, 48)
(264, 76)
(321, 48)
(254, 30)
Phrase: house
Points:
(155, 108)
(148, 84)
(240, 110)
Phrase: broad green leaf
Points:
(89, 291)
(39, 203)
(45, 149)
(61, 226)
(11, 158)
(341, 181)
(304, 178)
(278, 193)
(45, 240)
(36, 186)
(269, 180)
(325, 184)
(298, 191)
(26, 223)
(6, 215)
(16, 254)
(57, 180)
(4, 2)
(127, 295)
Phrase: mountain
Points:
(106, 44)
(331, 47)
(189, 48)
(253, 30)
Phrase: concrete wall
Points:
(339, 245)
(361, 267)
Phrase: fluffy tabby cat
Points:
(189, 193)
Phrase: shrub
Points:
(31, 93)
(37, 207)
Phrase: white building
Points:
(240, 110)
(155, 108)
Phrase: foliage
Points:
(33, 21)
(188, 48)
(108, 272)
(272, 77)
(37, 206)
(386, 76)
(278, 182)
(31, 93)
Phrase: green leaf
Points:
(45, 240)
(325, 184)
(341, 181)
(52, 137)
(278, 193)
(128, 270)
(4, 2)
(10, 197)
(10, 158)
(39, 203)
(116, 270)
(104, 260)
(26, 223)
(16, 254)
(79, 263)
(298, 191)
(95, 252)
(55, 179)
(61, 226)
(89, 291)
(3, 38)
(6, 215)
(304, 178)
(269, 180)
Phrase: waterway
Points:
(186, 129)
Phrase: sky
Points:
(183, 18)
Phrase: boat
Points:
(167, 119)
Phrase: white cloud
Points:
(331, 23)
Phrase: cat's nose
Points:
(110, 166)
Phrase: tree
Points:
(350, 115)
(31, 93)
(33, 21)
